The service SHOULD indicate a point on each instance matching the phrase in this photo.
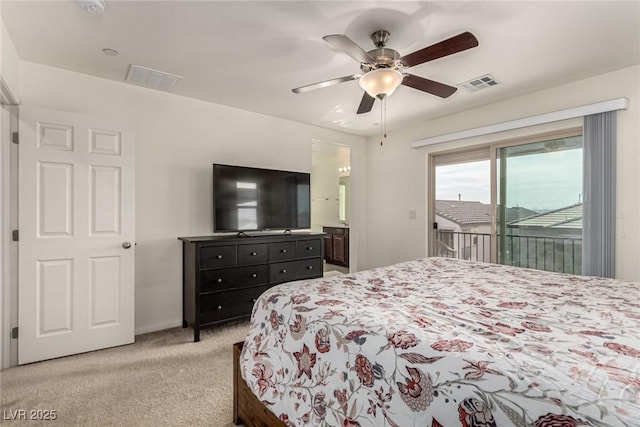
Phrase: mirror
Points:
(343, 199)
(330, 176)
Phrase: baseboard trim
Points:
(157, 327)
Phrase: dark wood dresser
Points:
(222, 276)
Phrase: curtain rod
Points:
(584, 110)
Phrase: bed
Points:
(442, 342)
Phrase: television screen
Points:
(260, 199)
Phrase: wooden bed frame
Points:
(247, 409)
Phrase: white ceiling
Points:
(250, 55)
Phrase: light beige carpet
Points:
(164, 379)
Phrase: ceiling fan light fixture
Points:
(381, 82)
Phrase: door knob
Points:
(126, 245)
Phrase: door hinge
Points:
(15, 235)
(14, 333)
(15, 138)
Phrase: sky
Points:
(537, 181)
(471, 180)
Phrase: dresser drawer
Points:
(252, 254)
(282, 251)
(217, 256)
(229, 278)
(228, 305)
(333, 230)
(295, 270)
(309, 248)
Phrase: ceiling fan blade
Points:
(450, 46)
(348, 46)
(366, 104)
(435, 88)
(326, 83)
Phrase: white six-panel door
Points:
(76, 222)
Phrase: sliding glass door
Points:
(516, 203)
(462, 216)
(539, 211)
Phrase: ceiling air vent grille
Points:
(153, 79)
(478, 83)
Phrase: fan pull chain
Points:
(385, 117)
(381, 122)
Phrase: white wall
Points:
(8, 60)
(177, 140)
(398, 178)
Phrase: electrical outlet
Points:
(412, 214)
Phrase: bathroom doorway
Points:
(330, 202)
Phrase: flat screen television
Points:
(255, 199)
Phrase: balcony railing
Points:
(469, 246)
(559, 254)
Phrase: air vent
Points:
(153, 79)
(478, 83)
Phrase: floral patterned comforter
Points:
(444, 342)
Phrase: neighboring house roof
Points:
(462, 212)
(516, 213)
(567, 217)
(465, 212)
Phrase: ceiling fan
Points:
(383, 69)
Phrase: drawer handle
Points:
(254, 275)
(284, 251)
(309, 248)
(253, 254)
(219, 257)
(219, 280)
(283, 271)
(310, 267)
(219, 308)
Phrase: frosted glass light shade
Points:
(381, 82)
